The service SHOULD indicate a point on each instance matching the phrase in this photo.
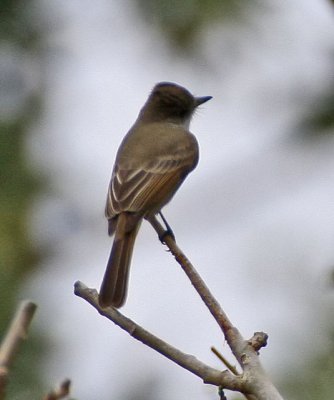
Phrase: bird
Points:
(154, 158)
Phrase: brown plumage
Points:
(154, 158)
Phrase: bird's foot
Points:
(167, 232)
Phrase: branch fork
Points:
(252, 382)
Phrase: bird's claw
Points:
(167, 232)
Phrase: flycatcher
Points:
(152, 161)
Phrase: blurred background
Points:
(73, 76)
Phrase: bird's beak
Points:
(201, 100)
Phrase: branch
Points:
(187, 361)
(246, 352)
(231, 333)
(17, 332)
(227, 364)
(61, 392)
(252, 382)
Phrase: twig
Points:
(61, 392)
(227, 364)
(17, 332)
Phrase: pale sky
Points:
(255, 218)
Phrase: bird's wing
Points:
(149, 187)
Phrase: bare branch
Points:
(187, 361)
(17, 332)
(231, 333)
(246, 352)
(227, 364)
(258, 340)
(252, 382)
(61, 392)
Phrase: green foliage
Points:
(17, 22)
(315, 380)
(18, 187)
(182, 21)
(320, 118)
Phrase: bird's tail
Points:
(115, 281)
